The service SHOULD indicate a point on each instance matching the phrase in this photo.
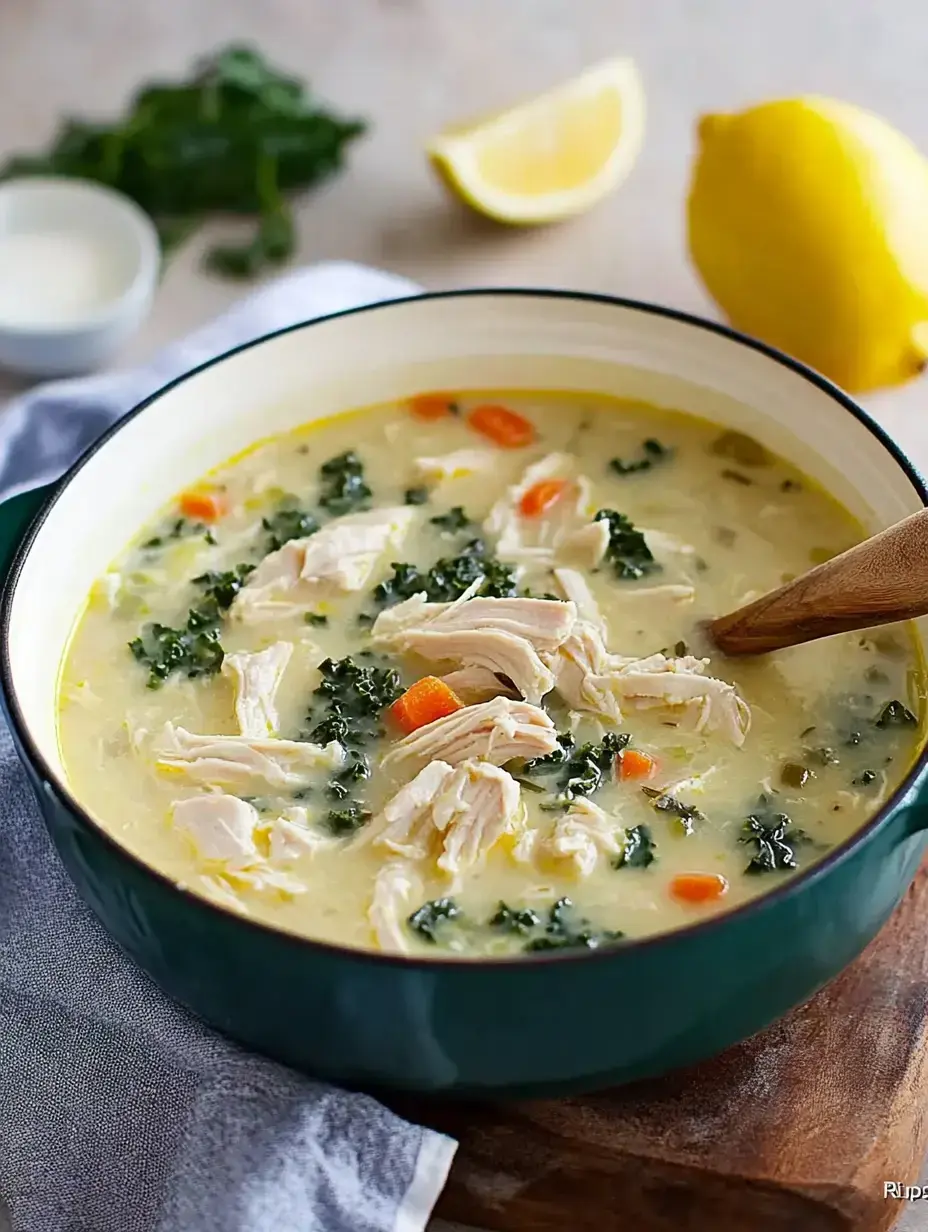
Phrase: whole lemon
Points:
(808, 222)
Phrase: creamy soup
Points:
(430, 678)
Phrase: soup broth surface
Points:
(656, 808)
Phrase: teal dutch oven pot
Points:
(542, 1024)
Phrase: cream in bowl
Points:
(78, 268)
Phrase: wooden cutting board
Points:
(796, 1129)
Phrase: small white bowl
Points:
(100, 227)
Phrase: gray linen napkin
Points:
(119, 1111)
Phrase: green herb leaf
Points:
(628, 553)
(347, 820)
(454, 520)
(687, 814)
(449, 577)
(581, 771)
(289, 522)
(521, 920)
(343, 487)
(237, 136)
(639, 849)
(653, 452)
(429, 918)
(774, 838)
(565, 931)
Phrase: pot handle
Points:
(16, 514)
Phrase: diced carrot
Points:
(698, 887)
(633, 764)
(504, 427)
(539, 498)
(204, 504)
(424, 702)
(431, 405)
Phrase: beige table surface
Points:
(413, 65)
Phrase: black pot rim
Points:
(794, 885)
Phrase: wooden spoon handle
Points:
(883, 579)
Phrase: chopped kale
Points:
(774, 838)
(289, 522)
(639, 849)
(235, 135)
(564, 930)
(195, 648)
(416, 496)
(449, 577)
(343, 487)
(581, 771)
(357, 769)
(864, 779)
(347, 820)
(407, 580)
(686, 814)
(521, 920)
(628, 553)
(428, 919)
(544, 765)
(222, 588)
(894, 714)
(454, 520)
(653, 452)
(317, 619)
(353, 698)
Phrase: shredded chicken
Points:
(256, 678)
(289, 837)
(459, 812)
(455, 465)
(221, 827)
(340, 557)
(477, 684)
(502, 635)
(577, 590)
(590, 678)
(394, 887)
(537, 540)
(497, 731)
(668, 593)
(582, 835)
(243, 763)
(587, 545)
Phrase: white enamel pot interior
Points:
(479, 339)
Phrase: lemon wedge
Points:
(550, 157)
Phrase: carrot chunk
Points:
(504, 427)
(698, 887)
(429, 406)
(424, 702)
(539, 498)
(206, 505)
(633, 764)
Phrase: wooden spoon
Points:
(881, 580)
